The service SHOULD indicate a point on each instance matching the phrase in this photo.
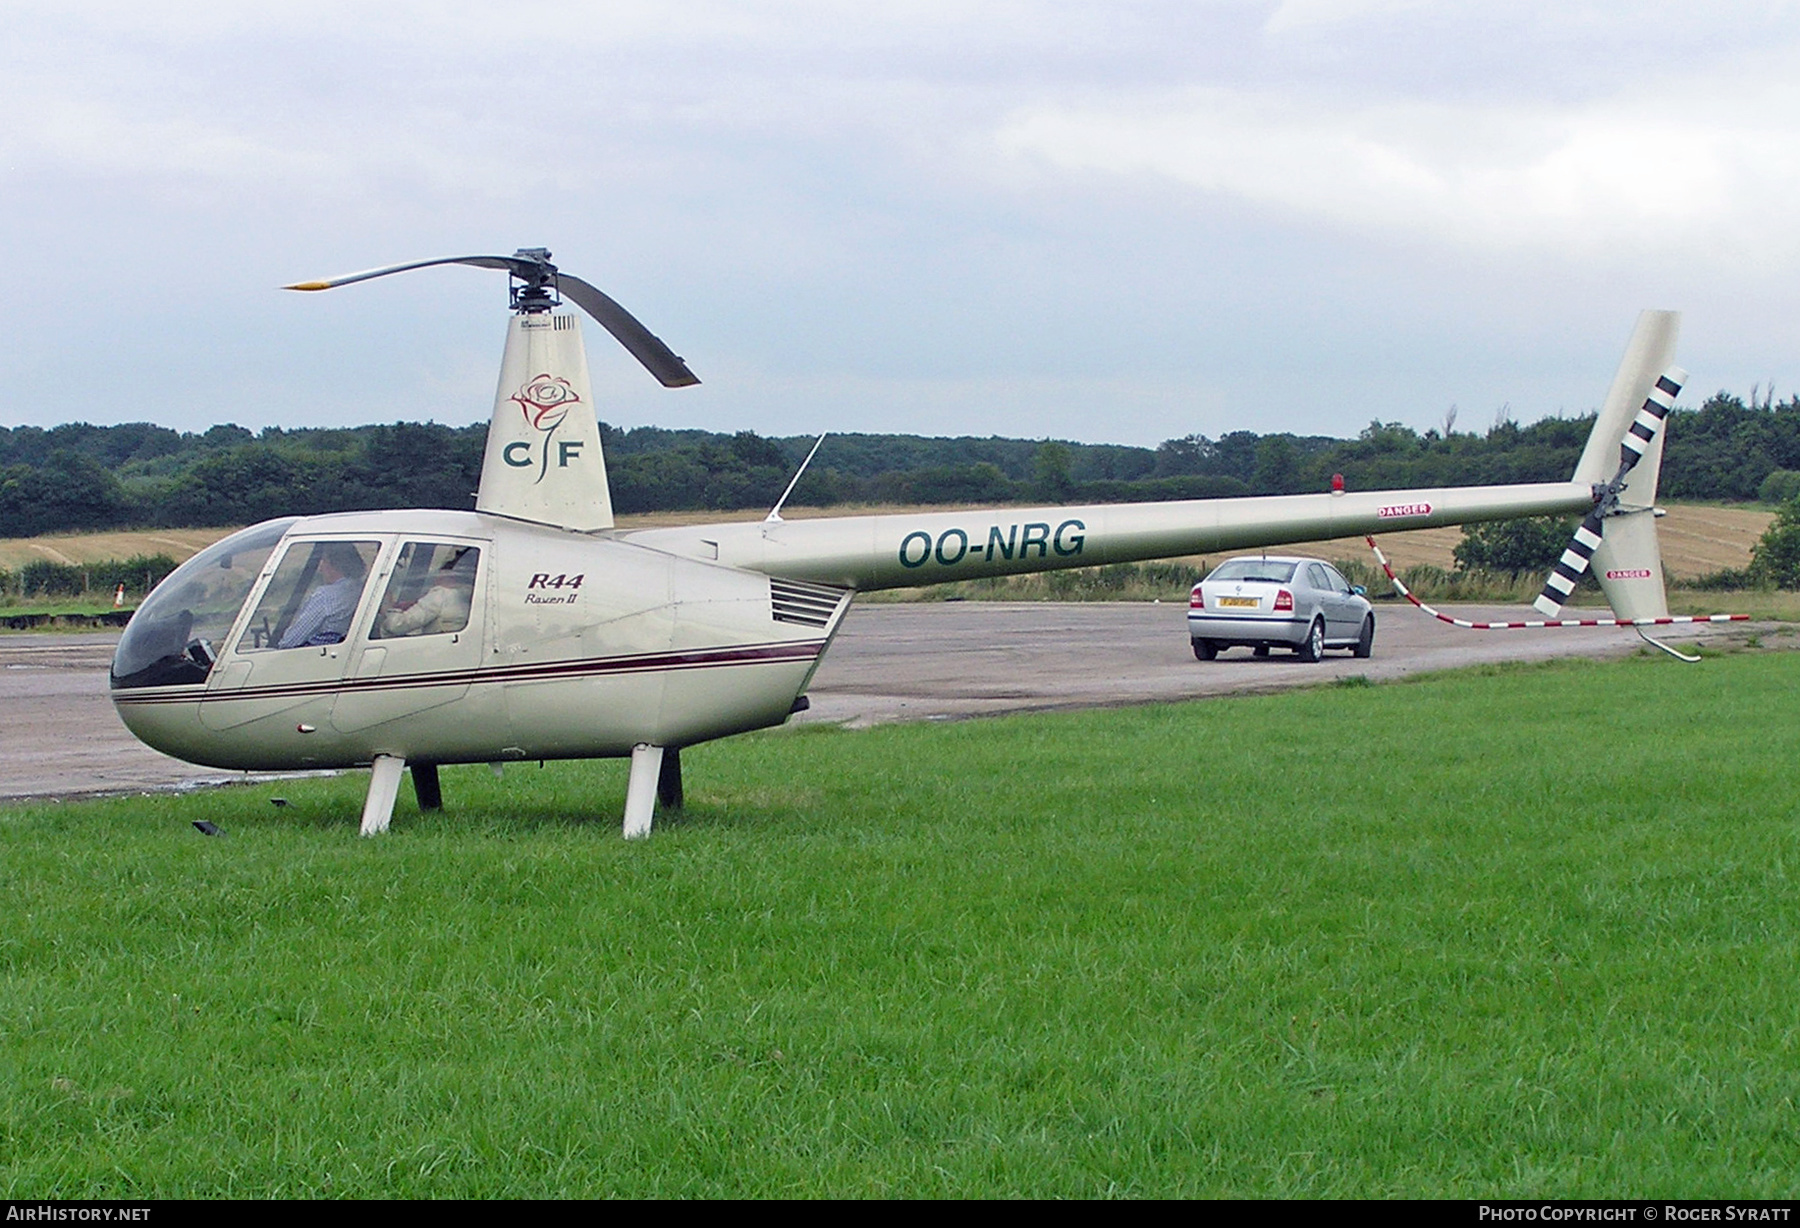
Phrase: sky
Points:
(1112, 223)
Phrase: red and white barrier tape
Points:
(1664, 621)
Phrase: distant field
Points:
(183, 544)
(1473, 936)
(76, 548)
(1696, 539)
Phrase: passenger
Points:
(444, 607)
(325, 618)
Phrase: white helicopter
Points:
(533, 628)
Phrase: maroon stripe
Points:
(667, 662)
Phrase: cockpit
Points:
(171, 639)
(314, 597)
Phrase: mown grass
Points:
(1528, 931)
(83, 614)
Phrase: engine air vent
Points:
(810, 605)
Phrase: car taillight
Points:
(1284, 600)
(1197, 601)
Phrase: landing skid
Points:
(655, 784)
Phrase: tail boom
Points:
(905, 551)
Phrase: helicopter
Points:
(533, 627)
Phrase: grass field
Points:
(74, 549)
(59, 607)
(1524, 931)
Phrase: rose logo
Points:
(545, 400)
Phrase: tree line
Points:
(80, 476)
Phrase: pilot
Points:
(444, 607)
(325, 618)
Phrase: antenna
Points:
(774, 516)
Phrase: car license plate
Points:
(1239, 603)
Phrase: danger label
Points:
(1629, 573)
(1403, 509)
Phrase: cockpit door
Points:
(423, 641)
(292, 653)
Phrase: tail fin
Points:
(543, 460)
(1623, 459)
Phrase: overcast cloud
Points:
(1116, 222)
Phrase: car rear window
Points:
(1265, 570)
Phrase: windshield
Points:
(1265, 570)
(169, 641)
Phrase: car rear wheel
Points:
(1365, 643)
(1205, 650)
(1313, 647)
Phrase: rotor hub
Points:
(534, 289)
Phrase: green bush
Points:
(1776, 558)
(1725, 580)
(1532, 544)
(1781, 486)
(41, 578)
(139, 574)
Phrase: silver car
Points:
(1270, 602)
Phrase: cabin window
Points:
(431, 592)
(312, 598)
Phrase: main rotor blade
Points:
(507, 264)
(645, 346)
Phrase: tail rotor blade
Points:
(1638, 437)
(1571, 567)
(1642, 431)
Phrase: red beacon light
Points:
(1337, 483)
